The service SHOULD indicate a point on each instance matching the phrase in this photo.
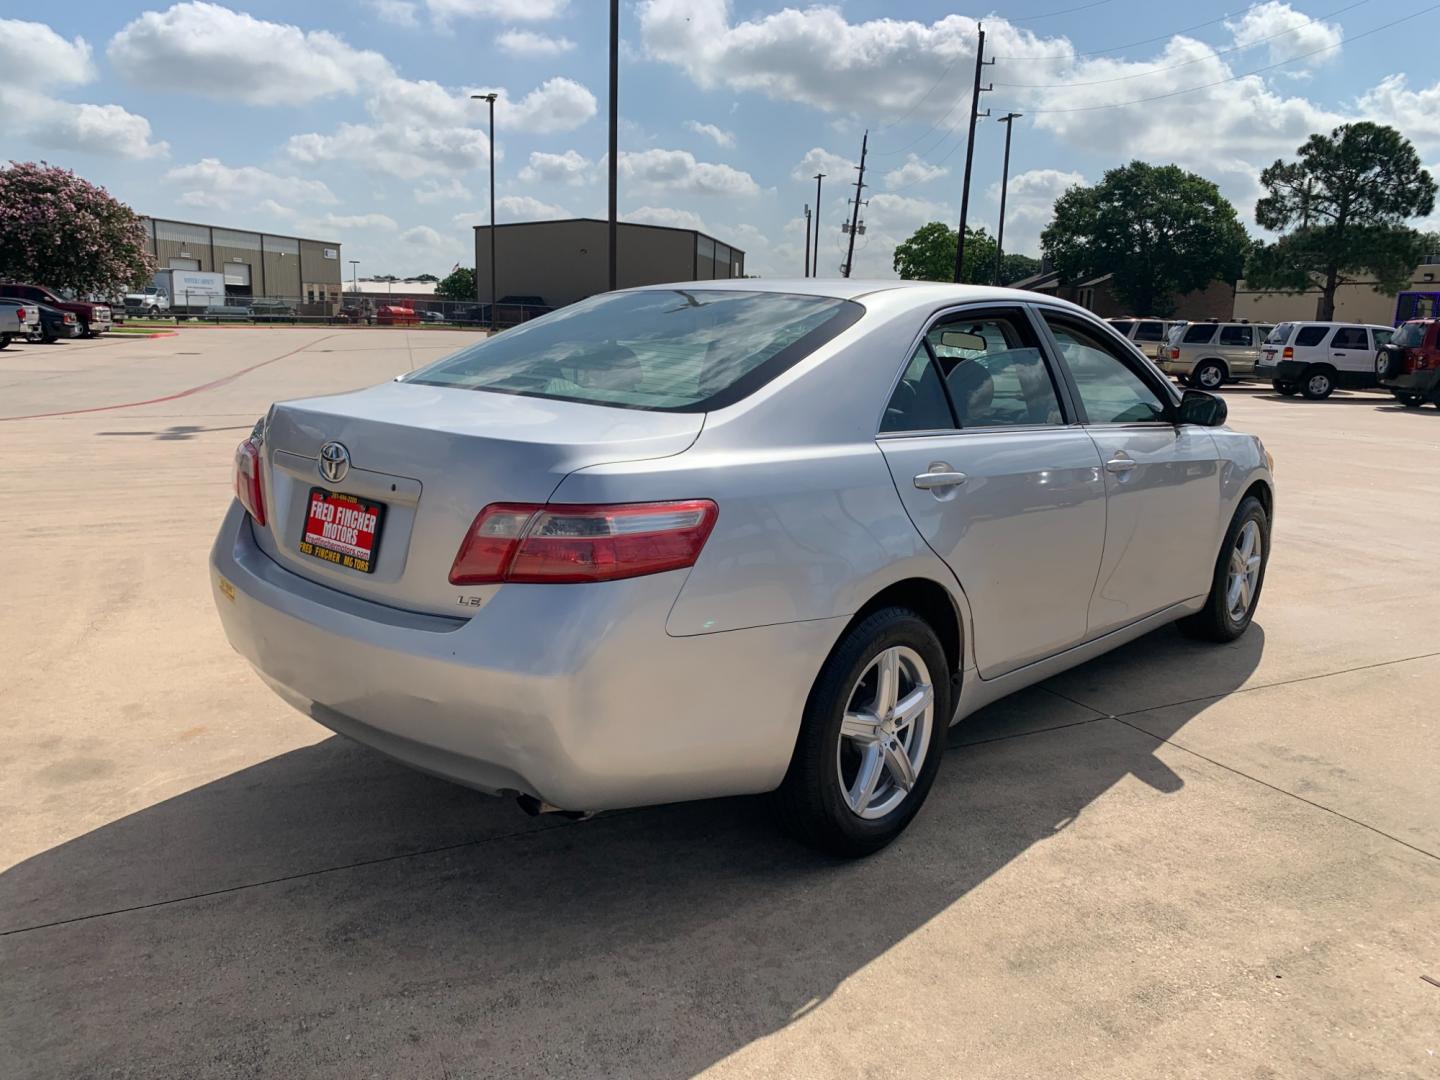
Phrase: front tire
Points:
(871, 738)
(1317, 384)
(1238, 578)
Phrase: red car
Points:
(1409, 366)
(396, 315)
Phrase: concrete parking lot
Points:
(1181, 860)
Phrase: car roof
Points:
(918, 293)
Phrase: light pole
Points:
(491, 99)
(1009, 121)
(355, 276)
(807, 239)
(614, 135)
(816, 271)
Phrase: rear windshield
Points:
(1175, 332)
(683, 350)
(1280, 334)
(1409, 336)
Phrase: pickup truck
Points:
(94, 318)
(17, 320)
(151, 300)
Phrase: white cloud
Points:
(525, 208)
(1286, 33)
(571, 167)
(395, 12)
(380, 222)
(1030, 204)
(666, 215)
(210, 182)
(678, 171)
(817, 160)
(207, 49)
(513, 10)
(422, 236)
(720, 135)
(913, 173)
(1415, 112)
(396, 148)
(557, 104)
(529, 43)
(32, 54)
(433, 191)
(98, 129)
(881, 67)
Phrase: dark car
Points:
(512, 311)
(94, 319)
(1409, 366)
(54, 325)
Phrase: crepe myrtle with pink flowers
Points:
(63, 232)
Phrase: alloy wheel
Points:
(885, 733)
(1319, 385)
(1211, 377)
(1244, 577)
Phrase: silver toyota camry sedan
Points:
(720, 538)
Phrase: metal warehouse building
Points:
(304, 272)
(568, 260)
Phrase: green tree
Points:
(1345, 202)
(426, 277)
(64, 232)
(459, 285)
(1159, 230)
(928, 254)
(1014, 266)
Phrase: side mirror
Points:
(1207, 410)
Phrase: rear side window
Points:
(1280, 334)
(1150, 331)
(1122, 326)
(1199, 334)
(1410, 336)
(1235, 335)
(1310, 335)
(680, 350)
(1351, 337)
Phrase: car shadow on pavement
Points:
(330, 913)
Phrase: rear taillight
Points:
(247, 479)
(1174, 354)
(1288, 354)
(560, 544)
(20, 311)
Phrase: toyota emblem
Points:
(334, 462)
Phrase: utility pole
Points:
(975, 114)
(816, 271)
(491, 99)
(614, 130)
(855, 213)
(1009, 121)
(807, 240)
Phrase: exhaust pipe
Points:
(534, 807)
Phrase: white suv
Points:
(1316, 358)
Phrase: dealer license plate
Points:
(343, 529)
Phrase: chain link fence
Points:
(350, 309)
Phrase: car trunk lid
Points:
(433, 457)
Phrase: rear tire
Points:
(1410, 401)
(1208, 375)
(1284, 389)
(816, 802)
(4, 341)
(1317, 383)
(1219, 620)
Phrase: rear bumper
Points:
(571, 693)
(1413, 382)
(1176, 367)
(1282, 370)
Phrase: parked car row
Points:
(34, 322)
(92, 318)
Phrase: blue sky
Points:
(350, 120)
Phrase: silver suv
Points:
(1210, 354)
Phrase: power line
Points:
(1243, 74)
(1186, 63)
(1143, 41)
(1062, 11)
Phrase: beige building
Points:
(1211, 302)
(304, 272)
(565, 261)
(1360, 302)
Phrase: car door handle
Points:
(939, 476)
(1119, 465)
